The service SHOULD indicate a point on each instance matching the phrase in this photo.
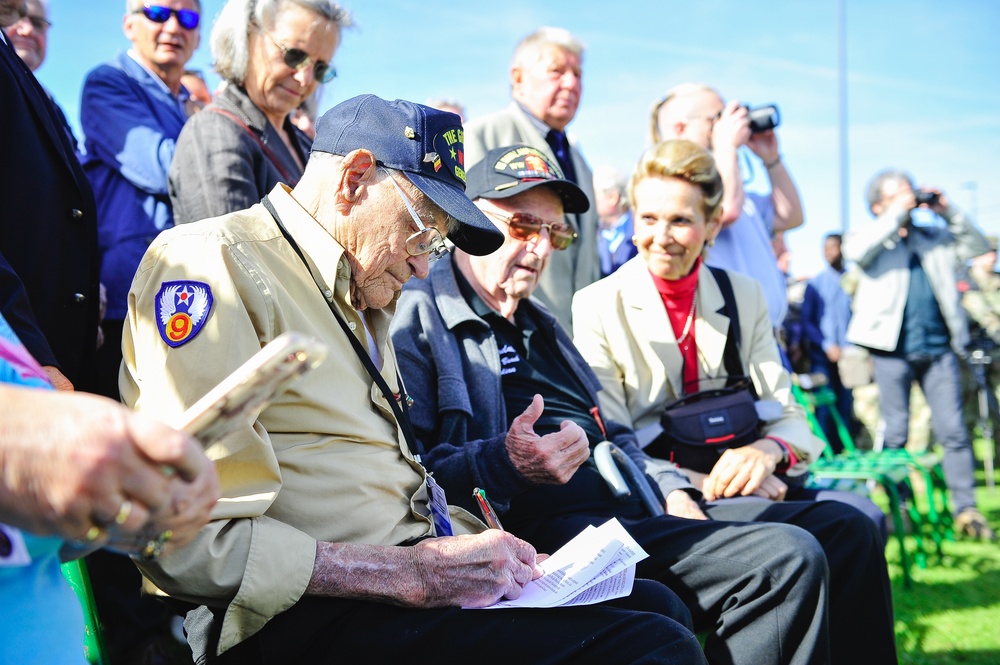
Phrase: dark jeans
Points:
(940, 381)
(636, 629)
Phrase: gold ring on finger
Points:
(93, 533)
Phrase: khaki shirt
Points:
(325, 461)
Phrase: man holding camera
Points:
(908, 314)
(696, 112)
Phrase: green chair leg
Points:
(75, 573)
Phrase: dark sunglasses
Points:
(188, 18)
(527, 227)
(298, 60)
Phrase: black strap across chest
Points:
(397, 403)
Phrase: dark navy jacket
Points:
(48, 227)
(449, 361)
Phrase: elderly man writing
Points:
(329, 533)
(503, 400)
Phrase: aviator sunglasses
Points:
(188, 18)
(527, 227)
(298, 60)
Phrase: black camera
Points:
(763, 118)
(930, 198)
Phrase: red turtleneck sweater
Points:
(678, 297)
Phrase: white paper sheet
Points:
(596, 565)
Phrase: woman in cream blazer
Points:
(622, 327)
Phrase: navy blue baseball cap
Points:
(507, 171)
(425, 143)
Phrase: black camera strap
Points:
(397, 403)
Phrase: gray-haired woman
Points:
(272, 55)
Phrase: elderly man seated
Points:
(504, 401)
(331, 542)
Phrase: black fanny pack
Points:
(699, 427)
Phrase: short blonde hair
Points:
(688, 161)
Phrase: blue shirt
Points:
(131, 122)
(40, 618)
(745, 247)
(615, 246)
(835, 312)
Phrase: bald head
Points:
(687, 111)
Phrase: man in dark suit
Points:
(48, 230)
(545, 84)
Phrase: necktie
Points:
(560, 146)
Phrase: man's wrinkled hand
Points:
(545, 460)
(474, 571)
(85, 468)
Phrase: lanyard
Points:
(398, 404)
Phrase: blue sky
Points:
(923, 86)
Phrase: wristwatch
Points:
(786, 460)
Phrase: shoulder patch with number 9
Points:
(182, 307)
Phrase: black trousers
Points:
(637, 629)
(762, 582)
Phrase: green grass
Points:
(951, 615)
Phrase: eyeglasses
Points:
(38, 23)
(527, 227)
(427, 240)
(298, 60)
(188, 18)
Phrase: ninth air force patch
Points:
(181, 310)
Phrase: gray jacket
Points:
(884, 260)
(450, 365)
(575, 267)
(220, 168)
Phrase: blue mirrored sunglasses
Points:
(188, 18)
